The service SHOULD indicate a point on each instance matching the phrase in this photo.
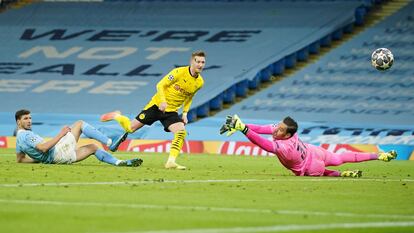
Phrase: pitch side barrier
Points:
(94, 57)
(343, 86)
(203, 136)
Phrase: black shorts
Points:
(153, 114)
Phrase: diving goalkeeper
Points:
(302, 159)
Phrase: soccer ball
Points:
(382, 59)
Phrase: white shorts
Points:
(65, 150)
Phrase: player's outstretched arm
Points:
(261, 129)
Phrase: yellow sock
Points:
(177, 143)
(124, 122)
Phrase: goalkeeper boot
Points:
(387, 156)
(131, 163)
(115, 143)
(174, 165)
(353, 174)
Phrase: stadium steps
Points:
(376, 15)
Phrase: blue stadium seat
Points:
(315, 47)
(290, 60)
(255, 82)
(217, 102)
(303, 54)
(203, 110)
(279, 67)
(229, 95)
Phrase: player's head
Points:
(286, 128)
(23, 119)
(197, 62)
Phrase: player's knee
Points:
(78, 123)
(93, 147)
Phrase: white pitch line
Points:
(157, 181)
(209, 209)
(285, 228)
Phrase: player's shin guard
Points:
(177, 144)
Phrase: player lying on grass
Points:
(302, 159)
(62, 148)
(175, 90)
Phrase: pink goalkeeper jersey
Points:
(292, 152)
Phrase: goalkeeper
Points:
(301, 158)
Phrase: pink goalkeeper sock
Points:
(350, 157)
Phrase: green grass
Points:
(246, 193)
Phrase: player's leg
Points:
(145, 117)
(333, 159)
(133, 126)
(87, 150)
(178, 129)
(76, 129)
(331, 173)
(122, 120)
(91, 132)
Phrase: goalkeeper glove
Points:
(233, 123)
(225, 127)
(237, 124)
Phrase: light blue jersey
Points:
(26, 142)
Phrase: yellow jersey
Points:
(177, 89)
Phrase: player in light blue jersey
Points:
(62, 148)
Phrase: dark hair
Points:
(21, 113)
(198, 53)
(292, 125)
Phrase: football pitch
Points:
(217, 194)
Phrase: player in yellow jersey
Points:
(174, 91)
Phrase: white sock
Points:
(109, 142)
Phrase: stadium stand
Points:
(66, 67)
(115, 55)
(342, 87)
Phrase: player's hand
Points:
(66, 129)
(234, 123)
(226, 127)
(184, 118)
(163, 106)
